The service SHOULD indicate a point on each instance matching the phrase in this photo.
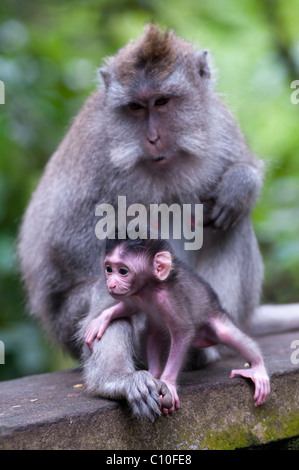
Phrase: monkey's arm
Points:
(235, 194)
(98, 325)
(228, 333)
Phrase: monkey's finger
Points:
(145, 407)
(229, 221)
(141, 409)
(156, 398)
(101, 332)
(259, 402)
(225, 219)
(175, 406)
(177, 403)
(242, 372)
(216, 212)
(89, 340)
(257, 393)
(265, 391)
(89, 344)
(269, 387)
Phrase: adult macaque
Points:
(155, 132)
(183, 311)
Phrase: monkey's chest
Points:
(162, 312)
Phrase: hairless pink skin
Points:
(222, 331)
(98, 325)
(260, 378)
(216, 329)
(228, 333)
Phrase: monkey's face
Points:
(157, 127)
(118, 279)
(156, 99)
(123, 274)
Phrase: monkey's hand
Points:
(143, 392)
(221, 211)
(259, 376)
(99, 325)
(234, 195)
(96, 328)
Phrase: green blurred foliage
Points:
(50, 51)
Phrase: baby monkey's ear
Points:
(162, 265)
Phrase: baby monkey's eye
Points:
(108, 269)
(123, 271)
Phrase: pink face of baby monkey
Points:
(123, 272)
(127, 273)
(119, 276)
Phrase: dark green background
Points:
(50, 51)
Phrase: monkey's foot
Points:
(143, 395)
(261, 380)
(175, 400)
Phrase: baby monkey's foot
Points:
(175, 400)
(259, 376)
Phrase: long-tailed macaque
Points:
(183, 311)
(156, 132)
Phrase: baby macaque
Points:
(183, 311)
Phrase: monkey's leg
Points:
(180, 344)
(109, 371)
(228, 333)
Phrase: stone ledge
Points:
(48, 412)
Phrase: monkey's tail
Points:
(269, 319)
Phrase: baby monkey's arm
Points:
(98, 325)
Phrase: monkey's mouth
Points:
(117, 295)
(161, 159)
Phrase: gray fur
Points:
(103, 156)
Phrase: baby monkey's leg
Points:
(180, 343)
(155, 348)
(229, 334)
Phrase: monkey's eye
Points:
(123, 271)
(135, 106)
(108, 269)
(162, 101)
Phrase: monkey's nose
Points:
(153, 139)
(152, 135)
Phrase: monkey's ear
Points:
(162, 265)
(202, 64)
(105, 75)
